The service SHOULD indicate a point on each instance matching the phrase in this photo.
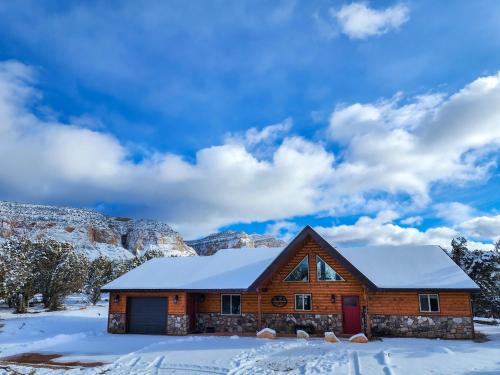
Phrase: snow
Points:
(412, 267)
(81, 335)
(227, 269)
(360, 335)
(266, 330)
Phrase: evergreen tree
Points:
(61, 271)
(458, 249)
(18, 280)
(100, 273)
(484, 268)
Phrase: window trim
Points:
(294, 268)
(231, 303)
(327, 281)
(429, 302)
(295, 301)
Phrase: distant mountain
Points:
(229, 239)
(91, 232)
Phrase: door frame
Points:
(344, 315)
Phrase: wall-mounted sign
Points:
(279, 301)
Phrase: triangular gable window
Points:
(324, 272)
(300, 272)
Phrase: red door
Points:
(351, 314)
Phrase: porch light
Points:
(176, 299)
(332, 298)
(116, 299)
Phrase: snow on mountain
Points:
(91, 232)
(231, 240)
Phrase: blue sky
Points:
(375, 122)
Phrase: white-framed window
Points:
(230, 304)
(428, 302)
(300, 272)
(325, 272)
(303, 302)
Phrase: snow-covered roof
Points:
(226, 269)
(408, 267)
(384, 267)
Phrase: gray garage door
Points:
(147, 315)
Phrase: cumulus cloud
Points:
(404, 147)
(283, 229)
(386, 148)
(359, 21)
(50, 161)
(380, 230)
(483, 227)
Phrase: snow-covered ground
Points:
(80, 334)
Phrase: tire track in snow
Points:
(355, 365)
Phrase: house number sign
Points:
(279, 301)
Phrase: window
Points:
(303, 302)
(429, 302)
(301, 272)
(231, 304)
(324, 272)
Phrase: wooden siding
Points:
(178, 308)
(321, 291)
(406, 303)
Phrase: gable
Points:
(308, 242)
(310, 249)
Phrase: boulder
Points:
(359, 338)
(330, 337)
(302, 334)
(266, 333)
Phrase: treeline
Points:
(55, 270)
(484, 268)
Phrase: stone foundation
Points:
(177, 325)
(215, 322)
(116, 323)
(422, 326)
(311, 323)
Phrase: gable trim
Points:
(285, 256)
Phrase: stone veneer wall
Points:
(116, 323)
(422, 326)
(286, 323)
(281, 323)
(177, 325)
(226, 323)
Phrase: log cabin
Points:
(406, 291)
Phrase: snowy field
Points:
(80, 335)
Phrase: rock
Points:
(330, 337)
(90, 232)
(359, 338)
(266, 333)
(302, 334)
(232, 240)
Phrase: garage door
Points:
(147, 315)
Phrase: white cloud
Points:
(381, 230)
(412, 220)
(55, 162)
(483, 227)
(285, 230)
(454, 212)
(358, 21)
(405, 148)
(268, 174)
